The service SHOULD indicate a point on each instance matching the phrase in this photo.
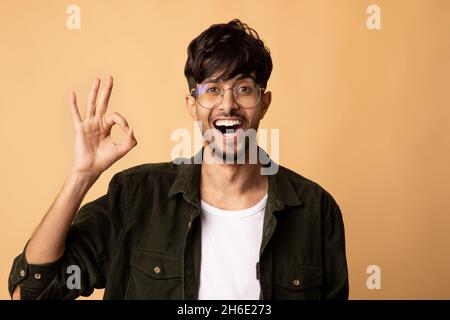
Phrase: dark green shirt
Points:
(142, 240)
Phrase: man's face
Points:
(226, 123)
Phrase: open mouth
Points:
(226, 126)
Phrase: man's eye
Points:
(245, 90)
(213, 90)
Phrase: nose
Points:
(228, 103)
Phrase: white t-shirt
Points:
(230, 250)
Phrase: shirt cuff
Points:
(32, 278)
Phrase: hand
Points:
(94, 149)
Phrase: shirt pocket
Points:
(299, 282)
(154, 275)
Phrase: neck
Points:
(232, 186)
(232, 179)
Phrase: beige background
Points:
(363, 113)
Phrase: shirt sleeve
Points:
(91, 244)
(336, 285)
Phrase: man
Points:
(189, 230)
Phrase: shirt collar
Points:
(187, 180)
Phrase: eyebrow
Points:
(240, 77)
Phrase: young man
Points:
(209, 230)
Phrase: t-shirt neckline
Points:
(209, 209)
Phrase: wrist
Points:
(82, 178)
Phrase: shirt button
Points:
(296, 283)
(37, 276)
(22, 273)
(157, 269)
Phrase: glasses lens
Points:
(209, 94)
(247, 94)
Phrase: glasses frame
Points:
(193, 90)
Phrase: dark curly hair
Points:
(229, 48)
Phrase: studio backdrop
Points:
(360, 96)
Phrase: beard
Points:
(238, 150)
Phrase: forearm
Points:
(47, 244)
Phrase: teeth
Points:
(228, 123)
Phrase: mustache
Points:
(227, 115)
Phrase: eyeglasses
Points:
(210, 94)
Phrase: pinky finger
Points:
(73, 108)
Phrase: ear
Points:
(191, 107)
(266, 99)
